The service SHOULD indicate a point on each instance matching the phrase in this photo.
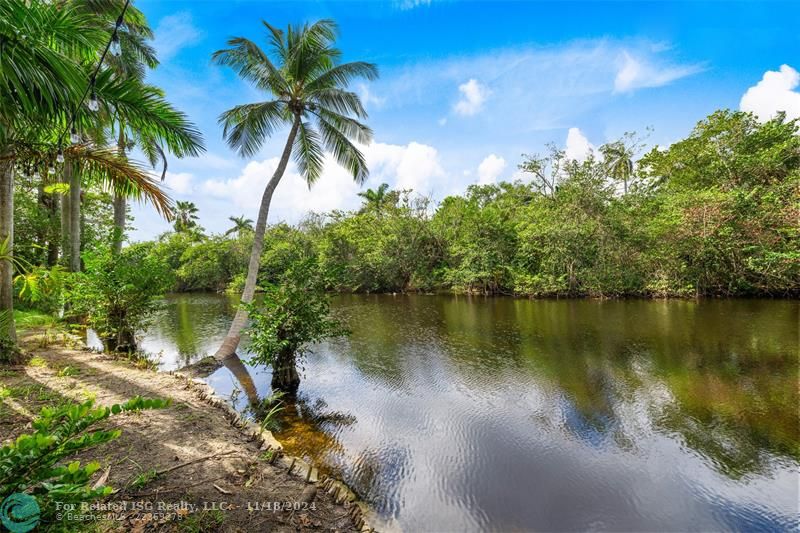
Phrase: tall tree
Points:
(618, 160)
(46, 50)
(185, 216)
(240, 225)
(378, 198)
(308, 90)
(38, 80)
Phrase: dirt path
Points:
(225, 479)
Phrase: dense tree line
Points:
(715, 214)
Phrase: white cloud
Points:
(370, 99)
(442, 121)
(413, 166)
(179, 182)
(577, 146)
(473, 96)
(411, 4)
(175, 32)
(640, 72)
(775, 92)
(490, 168)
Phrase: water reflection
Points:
(453, 413)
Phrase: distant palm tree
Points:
(306, 83)
(376, 199)
(619, 162)
(185, 216)
(240, 224)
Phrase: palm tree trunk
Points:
(75, 219)
(7, 232)
(53, 234)
(120, 206)
(65, 220)
(231, 341)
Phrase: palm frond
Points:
(339, 101)
(308, 153)
(345, 153)
(246, 127)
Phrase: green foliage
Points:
(37, 464)
(186, 217)
(211, 263)
(117, 295)
(42, 287)
(268, 408)
(714, 214)
(292, 315)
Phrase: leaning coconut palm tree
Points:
(308, 90)
(240, 225)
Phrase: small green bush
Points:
(118, 295)
(36, 463)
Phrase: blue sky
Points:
(467, 87)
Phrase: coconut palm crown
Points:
(309, 90)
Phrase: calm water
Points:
(465, 414)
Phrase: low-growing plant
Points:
(268, 408)
(36, 463)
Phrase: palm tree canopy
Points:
(185, 216)
(618, 160)
(240, 224)
(309, 88)
(41, 48)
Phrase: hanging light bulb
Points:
(60, 155)
(36, 174)
(74, 138)
(115, 48)
(51, 169)
(94, 105)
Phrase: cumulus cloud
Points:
(490, 168)
(641, 72)
(175, 32)
(473, 96)
(775, 92)
(179, 182)
(413, 166)
(577, 146)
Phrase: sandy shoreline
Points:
(198, 463)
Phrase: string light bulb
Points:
(94, 105)
(115, 48)
(60, 155)
(36, 174)
(51, 169)
(74, 138)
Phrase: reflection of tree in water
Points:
(308, 429)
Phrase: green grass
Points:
(38, 362)
(209, 520)
(32, 318)
(68, 371)
(143, 479)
